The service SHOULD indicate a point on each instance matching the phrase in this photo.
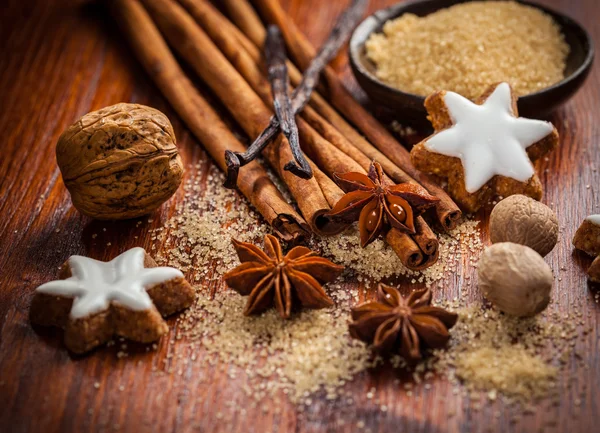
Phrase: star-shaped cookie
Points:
(94, 300)
(483, 148)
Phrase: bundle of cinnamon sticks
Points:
(227, 57)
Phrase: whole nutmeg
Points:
(120, 162)
(515, 279)
(524, 221)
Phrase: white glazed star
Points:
(94, 284)
(488, 138)
(594, 219)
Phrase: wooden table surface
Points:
(62, 59)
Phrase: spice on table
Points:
(378, 204)
(268, 277)
(523, 220)
(469, 46)
(409, 323)
(515, 278)
(594, 270)
(120, 162)
(331, 158)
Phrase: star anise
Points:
(379, 204)
(270, 278)
(397, 323)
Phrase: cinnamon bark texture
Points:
(243, 14)
(192, 43)
(156, 58)
(300, 48)
(323, 118)
(409, 252)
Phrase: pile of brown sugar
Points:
(312, 354)
(467, 47)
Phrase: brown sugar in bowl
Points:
(410, 107)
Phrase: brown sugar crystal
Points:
(467, 47)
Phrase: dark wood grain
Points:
(62, 59)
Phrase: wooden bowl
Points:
(409, 107)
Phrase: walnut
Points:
(120, 162)
(524, 221)
(515, 279)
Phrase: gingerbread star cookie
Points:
(94, 301)
(483, 148)
(587, 239)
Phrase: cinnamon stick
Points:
(202, 120)
(280, 84)
(425, 238)
(409, 252)
(331, 191)
(447, 211)
(405, 248)
(180, 29)
(243, 13)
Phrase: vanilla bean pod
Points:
(280, 85)
(340, 33)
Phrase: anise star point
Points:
(271, 278)
(404, 324)
(378, 204)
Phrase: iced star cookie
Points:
(587, 239)
(483, 148)
(94, 301)
(587, 236)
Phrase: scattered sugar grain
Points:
(202, 229)
(378, 261)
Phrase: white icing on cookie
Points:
(94, 284)
(488, 138)
(594, 219)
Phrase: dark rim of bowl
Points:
(355, 46)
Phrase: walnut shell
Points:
(515, 279)
(120, 162)
(524, 221)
